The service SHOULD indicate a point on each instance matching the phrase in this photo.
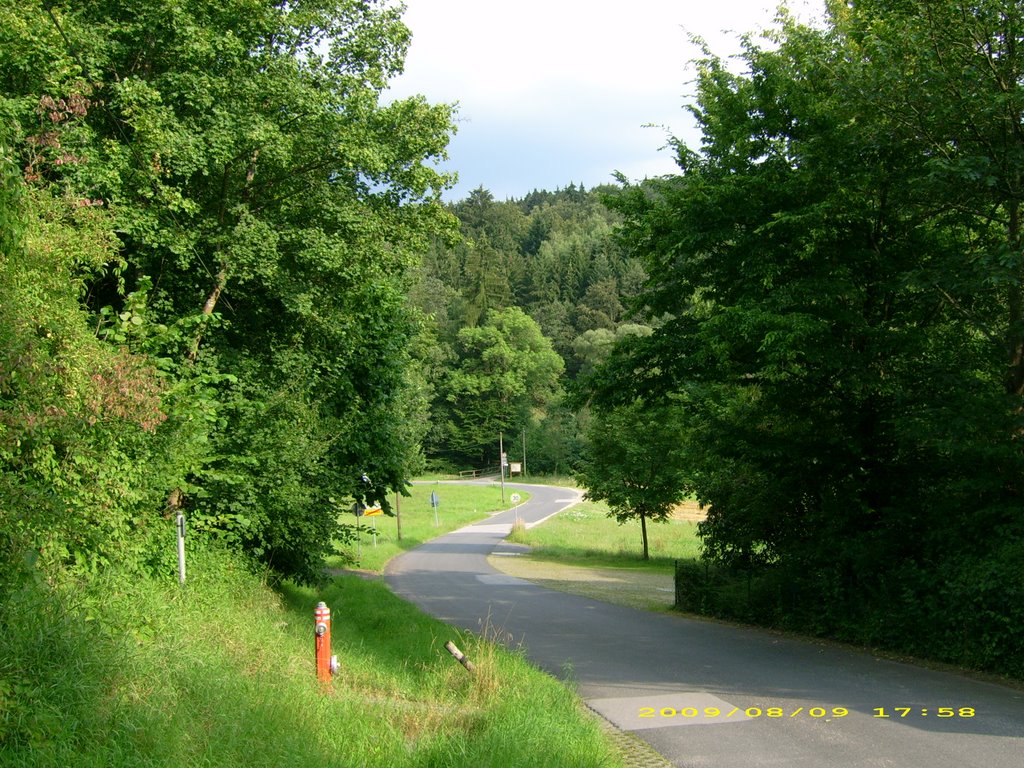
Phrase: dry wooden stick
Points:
(454, 651)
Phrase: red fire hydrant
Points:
(326, 664)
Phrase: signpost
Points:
(373, 512)
(435, 502)
(361, 510)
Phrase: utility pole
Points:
(524, 452)
(501, 464)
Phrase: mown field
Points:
(586, 535)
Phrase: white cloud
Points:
(559, 88)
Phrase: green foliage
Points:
(633, 460)
(972, 610)
(82, 465)
(837, 324)
(554, 444)
(240, 346)
(507, 375)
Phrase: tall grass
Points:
(139, 672)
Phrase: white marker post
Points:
(181, 547)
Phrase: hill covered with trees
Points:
(534, 293)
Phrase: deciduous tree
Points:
(837, 268)
(507, 372)
(634, 460)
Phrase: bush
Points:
(973, 613)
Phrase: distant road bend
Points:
(708, 694)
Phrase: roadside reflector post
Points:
(326, 664)
(181, 547)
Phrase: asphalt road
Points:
(709, 694)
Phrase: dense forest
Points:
(229, 285)
(534, 295)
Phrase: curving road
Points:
(708, 694)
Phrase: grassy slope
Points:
(126, 672)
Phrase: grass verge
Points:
(633, 587)
(135, 672)
(586, 535)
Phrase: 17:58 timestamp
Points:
(924, 712)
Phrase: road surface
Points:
(708, 694)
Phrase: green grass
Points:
(459, 505)
(586, 535)
(120, 672)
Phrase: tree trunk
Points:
(643, 529)
(222, 275)
(208, 307)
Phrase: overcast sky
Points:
(553, 92)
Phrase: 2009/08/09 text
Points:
(828, 713)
